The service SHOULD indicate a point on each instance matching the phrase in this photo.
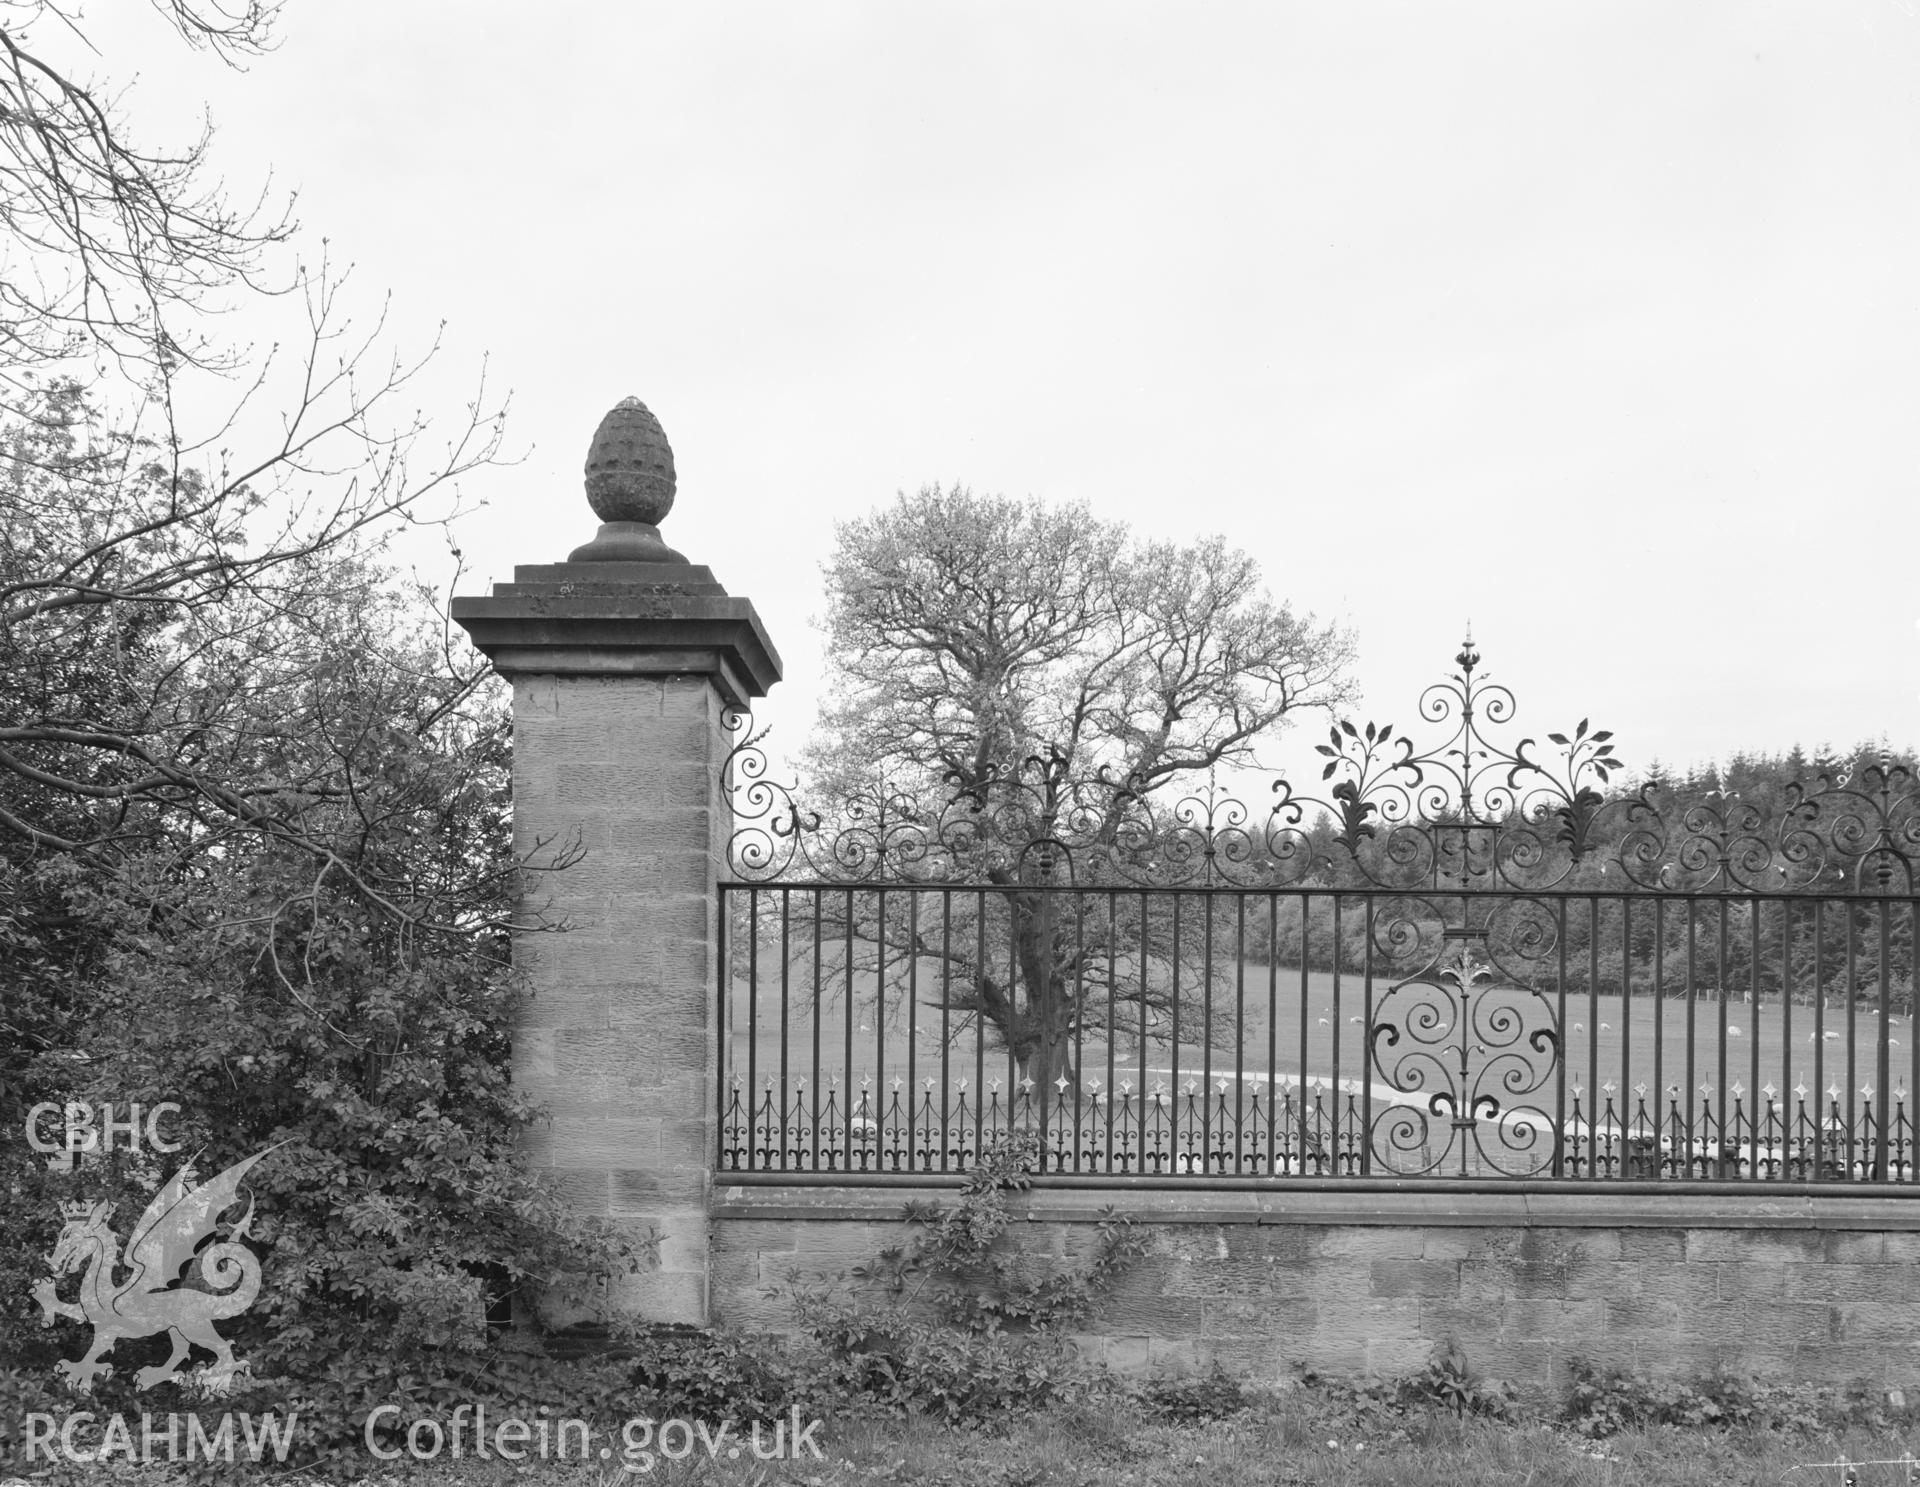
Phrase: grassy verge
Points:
(1311, 1437)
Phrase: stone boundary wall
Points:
(1819, 1289)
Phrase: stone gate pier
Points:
(622, 660)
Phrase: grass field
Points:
(1297, 1439)
(1289, 1024)
(1272, 1028)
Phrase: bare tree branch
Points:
(110, 243)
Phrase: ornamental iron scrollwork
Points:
(1036, 826)
(1462, 812)
(1843, 831)
(1464, 1046)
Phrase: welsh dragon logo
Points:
(220, 1280)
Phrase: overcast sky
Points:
(1598, 325)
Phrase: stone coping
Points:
(624, 631)
(1617, 1206)
(542, 580)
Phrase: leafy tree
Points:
(1020, 679)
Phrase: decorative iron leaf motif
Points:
(1460, 810)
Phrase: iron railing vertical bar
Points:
(1913, 1036)
(1883, 1072)
(1173, 1081)
(1788, 1135)
(1597, 1109)
(1629, 1166)
(979, 1023)
(1113, 998)
(1273, 1029)
(846, 1068)
(1754, 1024)
(819, 1004)
(1854, 1156)
(1333, 1019)
(1721, 975)
(913, 1025)
(1079, 1020)
(1300, 1081)
(1819, 1037)
(753, 1020)
(786, 1002)
(1692, 1131)
(1560, 1060)
(1047, 992)
(1660, 1033)
(1366, 1043)
(1239, 1033)
(1013, 980)
(1141, 1044)
(1206, 1036)
(946, 1026)
(877, 1111)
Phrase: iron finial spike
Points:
(1468, 657)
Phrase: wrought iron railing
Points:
(1472, 965)
(1303, 1033)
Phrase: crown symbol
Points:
(76, 1210)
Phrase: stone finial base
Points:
(626, 542)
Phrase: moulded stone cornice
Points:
(599, 626)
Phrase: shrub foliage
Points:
(256, 861)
